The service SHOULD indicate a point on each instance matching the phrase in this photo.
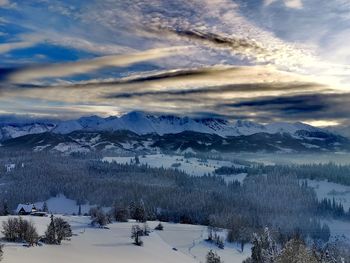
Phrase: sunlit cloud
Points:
(297, 4)
(28, 74)
(265, 61)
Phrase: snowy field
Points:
(177, 243)
(324, 189)
(339, 228)
(62, 205)
(192, 166)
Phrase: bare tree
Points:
(19, 230)
(136, 233)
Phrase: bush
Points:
(20, 230)
(212, 257)
(98, 217)
(159, 227)
(120, 214)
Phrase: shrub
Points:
(98, 217)
(159, 227)
(212, 257)
(20, 230)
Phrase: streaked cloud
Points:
(267, 60)
(28, 74)
(7, 4)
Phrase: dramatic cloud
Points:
(261, 60)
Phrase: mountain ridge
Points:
(138, 131)
(142, 123)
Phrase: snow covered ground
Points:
(339, 228)
(93, 245)
(324, 189)
(192, 166)
(62, 205)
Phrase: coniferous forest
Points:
(274, 198)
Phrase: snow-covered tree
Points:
(50, 234)
(98, 217)
(295, 251)
(213, 257)
(63, 229)
(136, 233)
(57, 230)
(139, 212)
(264, 249)
(120, 213)
(20, 230)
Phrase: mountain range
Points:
(139, 131)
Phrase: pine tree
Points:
(120, 214)
(58, 230)
(264, 249)
(63, 230)
(50, 234)
(295, 251)
(140, 213)
(6, 211)
(45, 208)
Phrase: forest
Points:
(276, 199)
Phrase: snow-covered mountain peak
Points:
(143, 123)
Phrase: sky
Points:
(260, 60)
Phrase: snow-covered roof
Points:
(28, 208)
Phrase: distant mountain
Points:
(341, 130)
(138, 131)
(184, 142)
(9, 131)
(141, 123)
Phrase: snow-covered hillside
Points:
(191, 166)
(138, 131)
(10, 131)
(329, 190)
(142, 123)
(177, 243)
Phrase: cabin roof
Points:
(28, 208)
